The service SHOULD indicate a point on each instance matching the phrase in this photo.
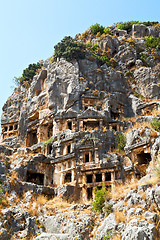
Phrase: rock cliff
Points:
(80, 125)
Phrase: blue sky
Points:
(30, 28)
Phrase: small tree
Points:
(69, 49)
(126, 25)
(156, 124)
(28, 74)
(97, 28)
(99, 199)
(120, 141)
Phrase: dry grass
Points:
(137, 125)
(117, 237)
(4, 204)
(56, 202)
(14, 177)
(155, 112)
(33, 210)
(143, 195)
(154, 134)
(36, 202)
(153, 207)
(119, 216)
(121, 190)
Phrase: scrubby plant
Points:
(138, 95)
(28, 74)
(97, 28)
(108, 209)
(98, 54)
(49, 141)
(144, 58)
(107, 31)
(149, 23)
(126, 25)
(128, 74)
(152, 42)
(156, 124)
(120, 141)
(109, 235)
(99, 199)
(1, 193)
(69, 49)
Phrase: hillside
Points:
(81, 125)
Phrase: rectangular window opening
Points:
(99, 177)
(86, 157)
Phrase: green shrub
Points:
(94, 47)
(28, 74)
(99, 199)
(69, 49)
(107, 31)
(144, 58)
(149, 23)
(49, 141)
(128, 74)
(98, 55)
(138, 95)
(1, 193)
(126, 25)
(97, 28)
(108, 209)
(156, 124)
(120, 141)
(109, 235)
(152, 42)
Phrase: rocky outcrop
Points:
(79, 125)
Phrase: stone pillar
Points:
(84, 193)
(101, 124)
(112, 180)
(121, 128)
(94, 178)
(55, 128)
(93, 193)
(81, 125)
(103, 177)
(112, 176)
(62, 179)
(96, 156)
(74, 125)
(84, 190)
(73, 175)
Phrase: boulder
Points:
(139, 31)
(50, 236)
(108, 225)
(142, 230)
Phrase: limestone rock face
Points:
(138, 231)
(80, 125)
(108, 225)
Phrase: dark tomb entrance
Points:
(37, 178)
(89, 193)
(67, 178)
(143, 158)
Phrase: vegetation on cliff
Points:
(27, 75)
(69, 49)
